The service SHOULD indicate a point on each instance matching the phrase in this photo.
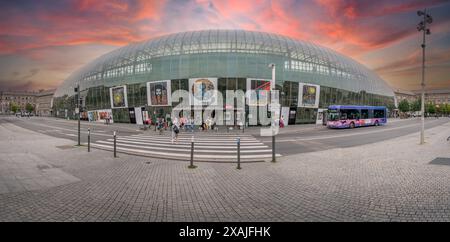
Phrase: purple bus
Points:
(350, 116)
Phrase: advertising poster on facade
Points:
(321, 116)
(159, 93)
(262, 91)
(285, 115)
(118, 96)
(203, 91)
(100, 115)
(308, 95)
(91, 116)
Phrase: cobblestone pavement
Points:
(386, 181)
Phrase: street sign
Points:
(77, 110)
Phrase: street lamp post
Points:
(422, 26)
(78, 107)
(272, 87)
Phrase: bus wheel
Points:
(376, 123)
(352, 125)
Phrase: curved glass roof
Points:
(299, 56)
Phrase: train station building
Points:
(135, 83)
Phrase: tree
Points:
(29, 107)
(439, 109)
(403, 106)
(430, 108)
(13, 107)
(446, 109)
(415, 106)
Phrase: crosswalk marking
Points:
(197, 141)
(186, 144)
(184, 137)
(182, 155)
(216, 148)
(72, 135)
(196, 149)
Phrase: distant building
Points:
(437, 96)
(44, 101)
(403, 94)
(19, 98)
(41, 101)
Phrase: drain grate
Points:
(147, 162)
(441, 161)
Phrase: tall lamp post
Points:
(78, 108)
(272, 87)
(422, 26)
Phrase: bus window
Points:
(344, 114)
(364, 113)
(349, 114)
(378, 113)
(333, 115)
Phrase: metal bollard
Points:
(89, 140)
(238, 153)
(115, 155)
(273, 148)
(192, 154)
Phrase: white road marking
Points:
(346, 135)
(168, 155)
(146, 147)
(73, 135)
(188, 144)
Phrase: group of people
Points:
(187, 124)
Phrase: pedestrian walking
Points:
(281, 122)
(160, 125)
(175, 130)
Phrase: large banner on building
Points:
(118, 96)
(203, 91)
(261, 88)
(159, 93)
(100, 115)
(308, 95)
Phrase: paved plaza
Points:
(45, 178)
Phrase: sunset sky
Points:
(42, 42)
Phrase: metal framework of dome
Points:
(303, 60)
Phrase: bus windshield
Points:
(333, 115)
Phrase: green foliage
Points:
(447, 108)
(404, 106)
(14, 107)
(29, 107)
(415, 106)
(430, 108)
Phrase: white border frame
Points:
(169, 93)
(125, 96)
(192, 101)
(300, 95)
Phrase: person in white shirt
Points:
(175, 130)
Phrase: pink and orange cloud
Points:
(30, 29)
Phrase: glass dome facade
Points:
(227, 54)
